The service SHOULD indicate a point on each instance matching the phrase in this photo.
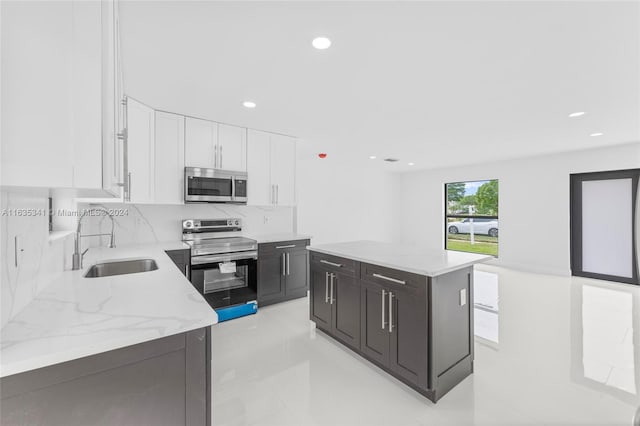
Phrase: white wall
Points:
(533, 203)
(340, 202)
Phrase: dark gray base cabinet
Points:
(162, 382)
(282, 271)
(335, 298)
(417, 328)
(182, 259)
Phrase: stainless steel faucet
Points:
(77, 256)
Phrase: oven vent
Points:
(391, 160)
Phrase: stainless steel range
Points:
(223, 263)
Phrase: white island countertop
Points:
(75, 317)
(415, 259)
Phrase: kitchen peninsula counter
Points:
(99, 350)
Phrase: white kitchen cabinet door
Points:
(259, 188)
(37, 137)
(141, 128)
(232, 148)
(201, 140)
(169, 158)
(283, 169)
(87, 95)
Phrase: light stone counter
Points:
(75, 317)
(284, 236)
(415, 259)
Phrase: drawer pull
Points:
(393, 280)
(283, 247)
(337, 265)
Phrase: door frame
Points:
(575, 220)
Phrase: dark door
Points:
(374, 322)
(271, 278)
(604, 225)
(346, 309)
(408, 337)
(319, 303)
(296, 272)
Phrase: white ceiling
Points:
(435, 83)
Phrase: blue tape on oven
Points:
(236, 311)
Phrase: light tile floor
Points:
(566, 352)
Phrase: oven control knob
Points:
(237, 222)
(188, 224)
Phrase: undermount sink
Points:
(121, 267)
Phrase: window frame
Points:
(466, 216)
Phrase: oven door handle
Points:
(216, 258)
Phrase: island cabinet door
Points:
(408, 334)
(374, 322)
(320, 304)
(345, 294)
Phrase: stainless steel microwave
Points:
(214, 186)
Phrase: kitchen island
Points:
(122, 349)
(407, 309)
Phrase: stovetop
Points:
(216, 236)
(221, 245)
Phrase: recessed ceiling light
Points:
(576, 114)
(411, 164)
(321, 43)
(372, 157)
(596, 134)
(249, 104)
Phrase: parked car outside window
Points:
(480, 226)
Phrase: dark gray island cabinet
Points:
(166, 381)
(416, 326)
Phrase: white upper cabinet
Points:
(53, 96)
(215, 146)
(259, 188)
(271, 164)
(232, 148)
(114, 133)
(283, 169)
(169, 158)
(141, 147)
(201, 143)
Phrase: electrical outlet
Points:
(463, 297)
(265, 219)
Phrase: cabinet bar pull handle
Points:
(129, 186)
(391, 312)
(393, 280)
(288, 264)
(220, 165)
(326, 287)
(384, 323)
(337, 265)
(332, 276)
(284, 266)
(283, 247)
(277, 194)
(215, 156)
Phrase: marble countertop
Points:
(415, 259)
(75, 317)
(283, 236)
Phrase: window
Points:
(471, 216)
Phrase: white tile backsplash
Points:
(37, 260)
